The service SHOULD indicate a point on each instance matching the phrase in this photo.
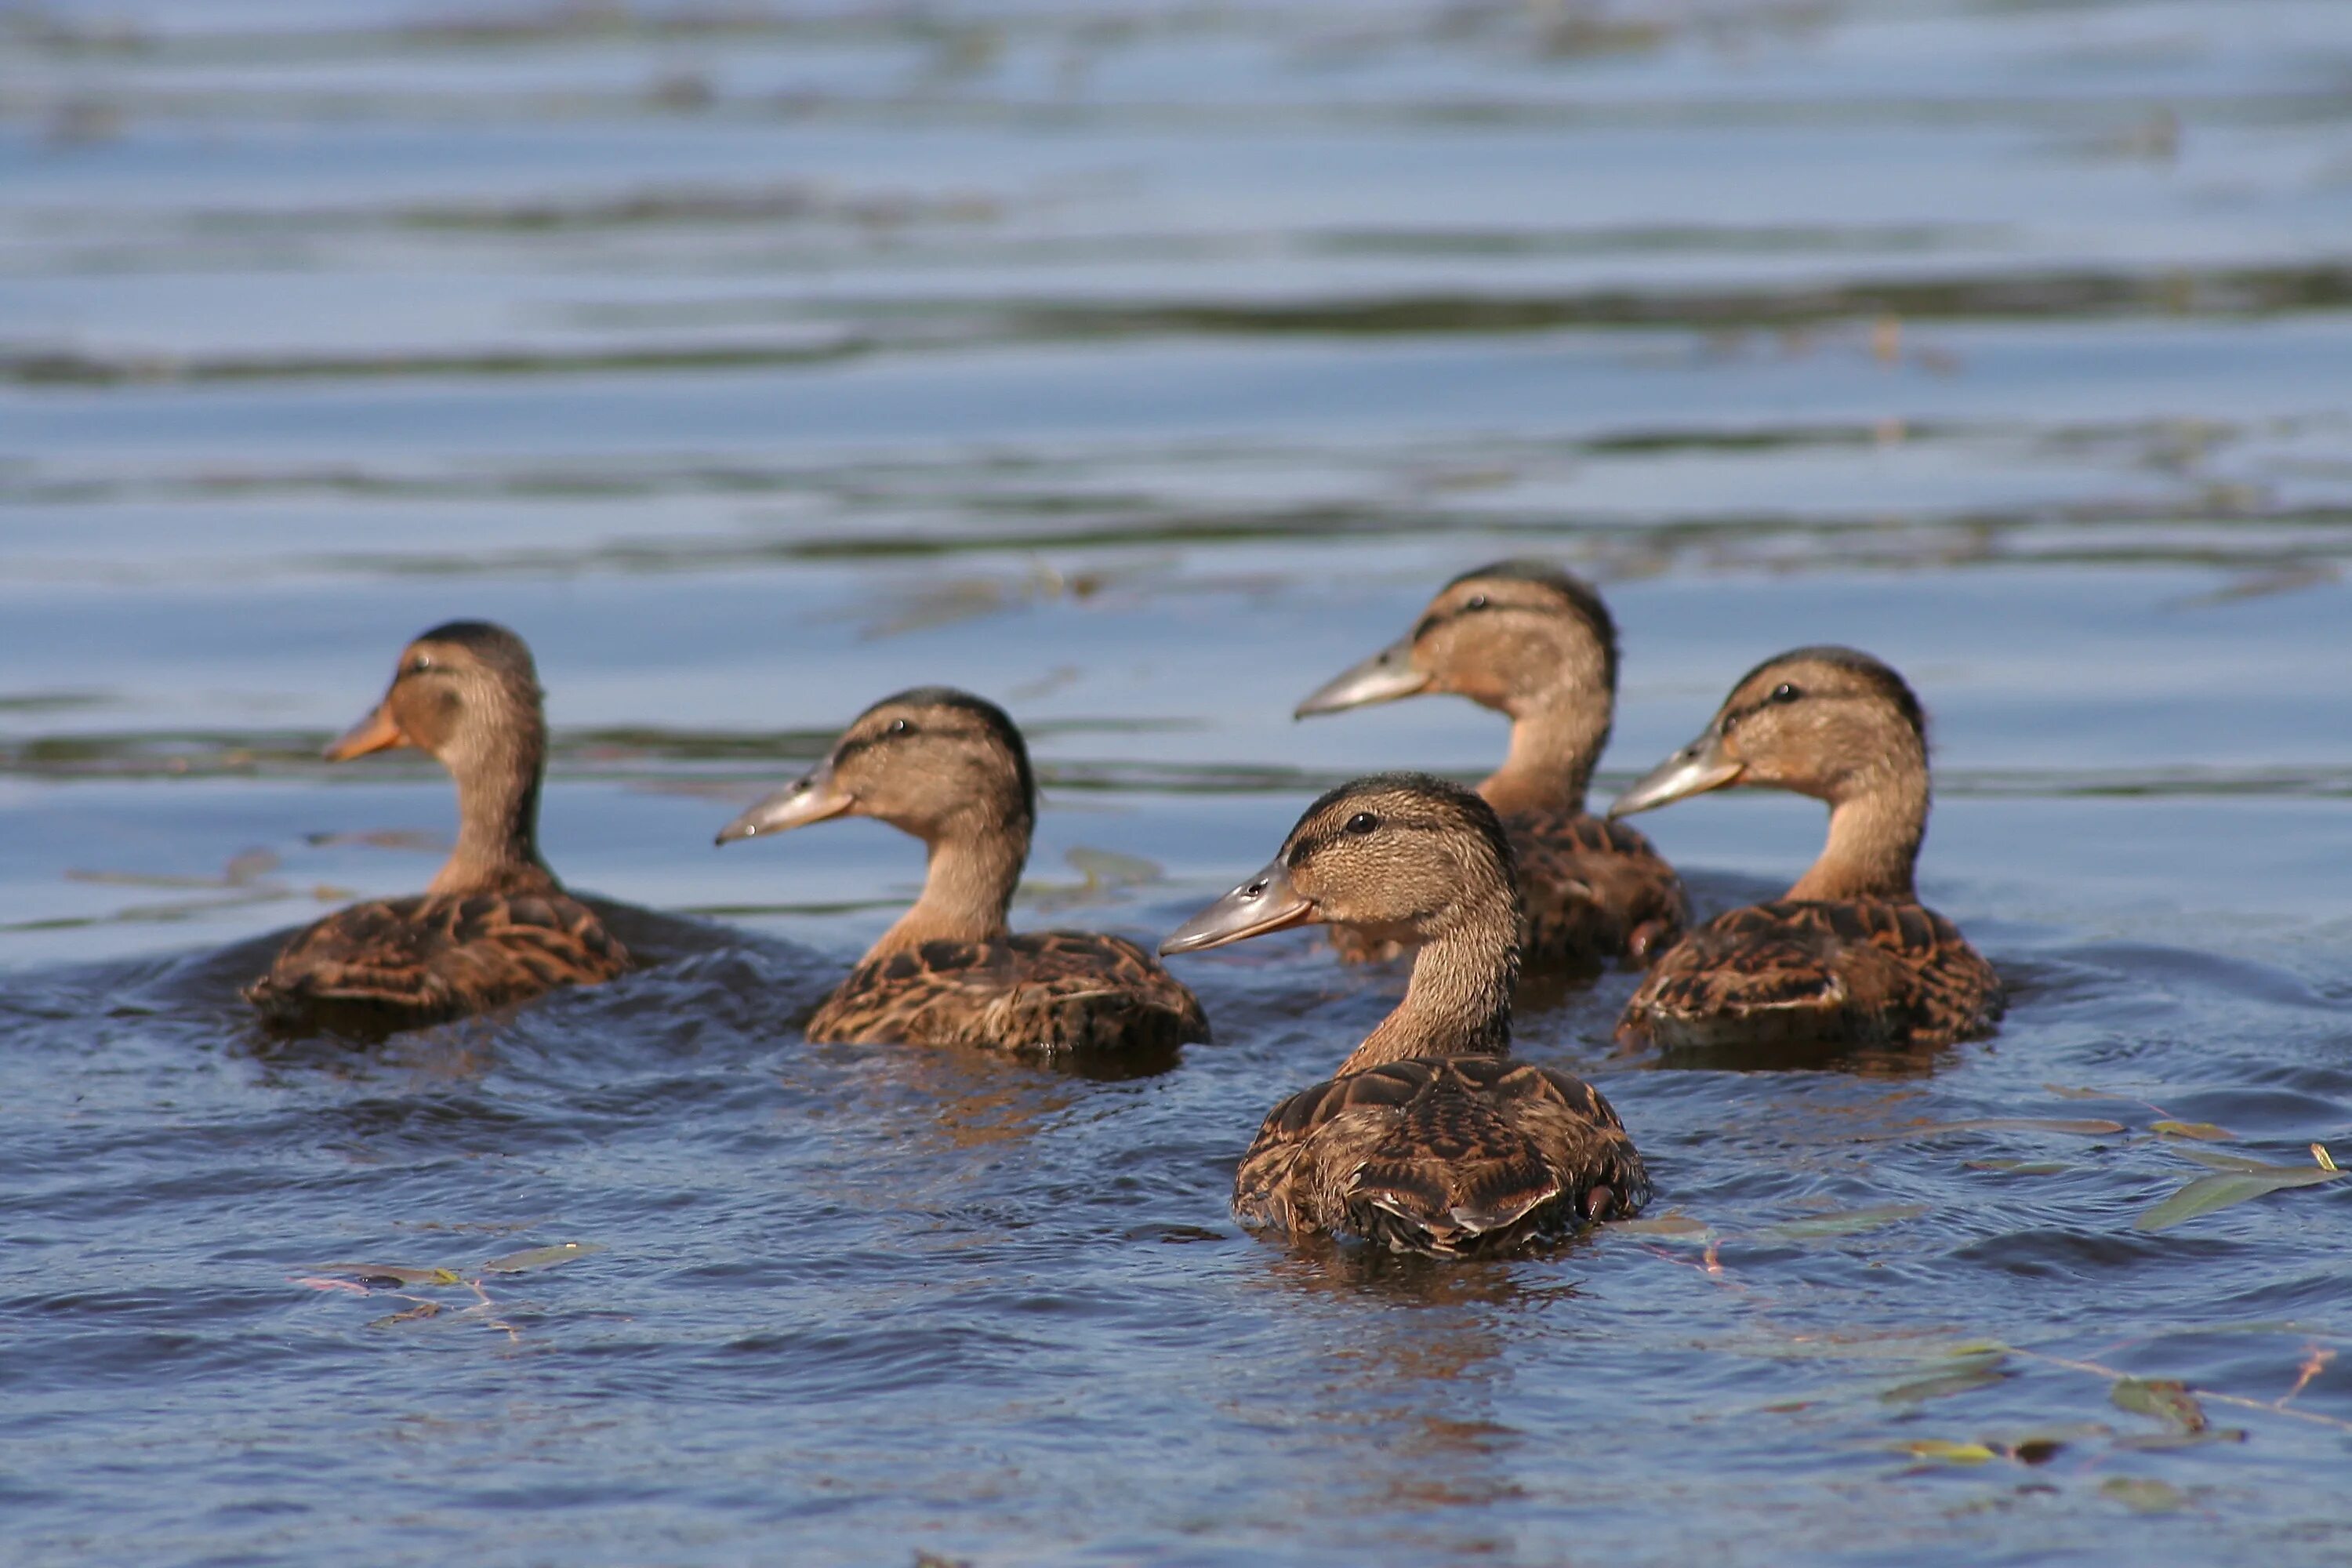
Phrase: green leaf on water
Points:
(1670, 1224)
(2142, 1495)
(1853, 1222)
(2234, 1183)
(2081, 1127)
(2165, 1398)
(397, 1274)
(1944, 1453)
(2203, 1131)
(541, 1258)
(1971, 1372)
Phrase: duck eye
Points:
(419, 664)
(901, 727)
(1362, 822)
(1477, 601)
(1784, 692)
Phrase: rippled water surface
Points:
(1141, 366)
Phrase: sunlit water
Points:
(1140, 367)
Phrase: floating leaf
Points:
(316, 1283)
(2326, 1161)
(2160, 1442)
(1945, 1453)
(2065, 1092)
(2203, 1131)
(396, 1274)
(2235, 1185)
(2084, 1127)
(1981, 1371)
(2221, 1161)
(2143, 1495)
(421, 1309)
(2165, 1398)
(1664, 1224)
(1853, 1222)
(1109, 868)
(2018, 1167)
(540, 1257)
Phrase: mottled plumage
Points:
(1536, 643)
(1049, 992)
(1429, 1139)
(496, 927)
(1859, 971)
(953, 770)
(1441, 1155)
(1850, 957)
(432, 957)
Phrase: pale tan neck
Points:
(1554, 747)
(1874, 843)
(1458, 1002)
(968, 892)
(498, 825)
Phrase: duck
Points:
(1429, 1139)
(952, 769)
(1850, 956)
(494, 927)
(1536, 643)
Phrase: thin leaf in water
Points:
(2208, 1194)
(2082, 1127)
(1945, 1453)
(2203, 1131)
(397, 1274)
(1668, 1225)
(1853, 1222)
(2144, 1496)
(2166, 1399)
(1971, 1372)
(421, 1310)
(541, 1258)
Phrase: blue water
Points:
(1140, 367)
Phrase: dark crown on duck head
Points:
(987, 716)
(1870, 671)
(492, 644)
(1575, 595)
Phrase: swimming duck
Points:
(1534, 642)
(494, 927)
(1850, 956)
(1429, 1139)
(952, 770)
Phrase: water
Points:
(1140, 367)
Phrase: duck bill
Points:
(1695, 769)
(810, 798)
(1383, 678)
(379, 732)
(1265, 902)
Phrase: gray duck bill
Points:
(1383, 678)
(1695, 769)
(811, 798)
(1267, 903)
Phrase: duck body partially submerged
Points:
(953, 770)
(1535, 643)
(496, 927)
(1851, 956)
(1429, 1139)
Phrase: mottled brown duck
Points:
(1850, 957)
(494, 926)
(1429, 1139)
(1535, 643)
(952, 770)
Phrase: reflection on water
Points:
(1136, 366)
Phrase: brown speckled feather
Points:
(1051, 992)
(1591, 890)
(432, 957)
(1441, 1155)
(1833, 971)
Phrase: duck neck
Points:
(1874, 843)
(968, 891)
(1458, 1002)
(497, 823)
(1555, 745)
